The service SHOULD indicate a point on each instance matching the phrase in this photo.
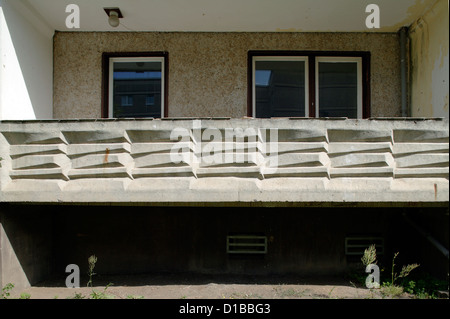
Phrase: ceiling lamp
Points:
(114, 15)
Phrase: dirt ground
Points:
(179, 286)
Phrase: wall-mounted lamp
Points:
(114, 15)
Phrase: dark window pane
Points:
(280, 88)
(338, 89)
(137, 89)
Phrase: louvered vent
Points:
(357, 245)
(246, 244)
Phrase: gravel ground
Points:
(188, 286)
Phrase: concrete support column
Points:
(11, 270)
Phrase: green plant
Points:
(404, 272)
(289, 292)
(409, 286)
(92, 260)
(424, 286)
(329, 294)
(101, 294)
(6, 290)
(390, 290)
(369, 256)
(25, 295)
(77, 296)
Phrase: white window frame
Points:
(133, 59)
(338, 59)
(280, 58)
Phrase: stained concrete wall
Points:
(193, 239)
(430, 63)
(39, 241)
(25, 245)
(208, 71)
(417, 248)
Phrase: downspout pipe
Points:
(431, 239)
(403, 70)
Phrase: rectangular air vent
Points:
(246, 244)
(357, 245)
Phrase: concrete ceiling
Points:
(232, 15)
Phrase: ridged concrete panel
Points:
(226, 160)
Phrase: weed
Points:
(6, 291)
(25, 295)
(403, 273)
(329, 294)
(290, 292)
(92, 260)
(102, 294)
(369, 256)
(424, 286)
(77, 296)
(391, 289)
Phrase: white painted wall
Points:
(26, 63)
(430, 63)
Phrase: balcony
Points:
(209, 161)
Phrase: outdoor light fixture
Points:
(114, 15)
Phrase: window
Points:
(280, 86)
(339, 89)
(150, 100)
(309, 84)
(126, 100)
(134, 85)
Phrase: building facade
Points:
(215, 142)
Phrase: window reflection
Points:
(338, 89)
(137, 89)
(280, 88)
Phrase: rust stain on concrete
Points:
(105, 160)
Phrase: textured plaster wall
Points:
(430, 63)
(208, 71)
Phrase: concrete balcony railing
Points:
(220, 161)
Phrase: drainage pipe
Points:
(403, 64)
(431, 239)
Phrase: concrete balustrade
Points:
(225, 161)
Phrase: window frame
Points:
(312, 95)
(340, 59)
(108, 59)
